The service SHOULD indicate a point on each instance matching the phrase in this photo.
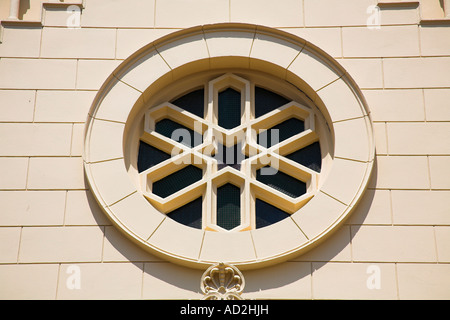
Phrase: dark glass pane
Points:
(286, 129)
(282, 182)
(266, 214)
(231, 156)
(190, 214)
(194, 102)
(177, 181)
(186, 136)
(228, 206)
(149, 156)
(266, 101)
(309, 156)
(229, 108)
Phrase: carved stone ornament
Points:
(222, 282)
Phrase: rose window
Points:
(230, 154)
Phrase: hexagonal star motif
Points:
(235, 158)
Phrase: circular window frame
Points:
(228, 46)
(299, 106)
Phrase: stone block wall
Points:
(51, 227)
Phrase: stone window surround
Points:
(231, 46)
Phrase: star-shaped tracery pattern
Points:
(229, 156)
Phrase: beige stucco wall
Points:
(50, 222)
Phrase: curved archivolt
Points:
(123, 184)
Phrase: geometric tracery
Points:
(230, 155)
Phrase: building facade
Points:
(117, 118)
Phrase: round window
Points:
(231, 152)
(228, 143)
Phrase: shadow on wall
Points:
(25, 5)
(159, 271)
(292, 274)
(287, 274)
